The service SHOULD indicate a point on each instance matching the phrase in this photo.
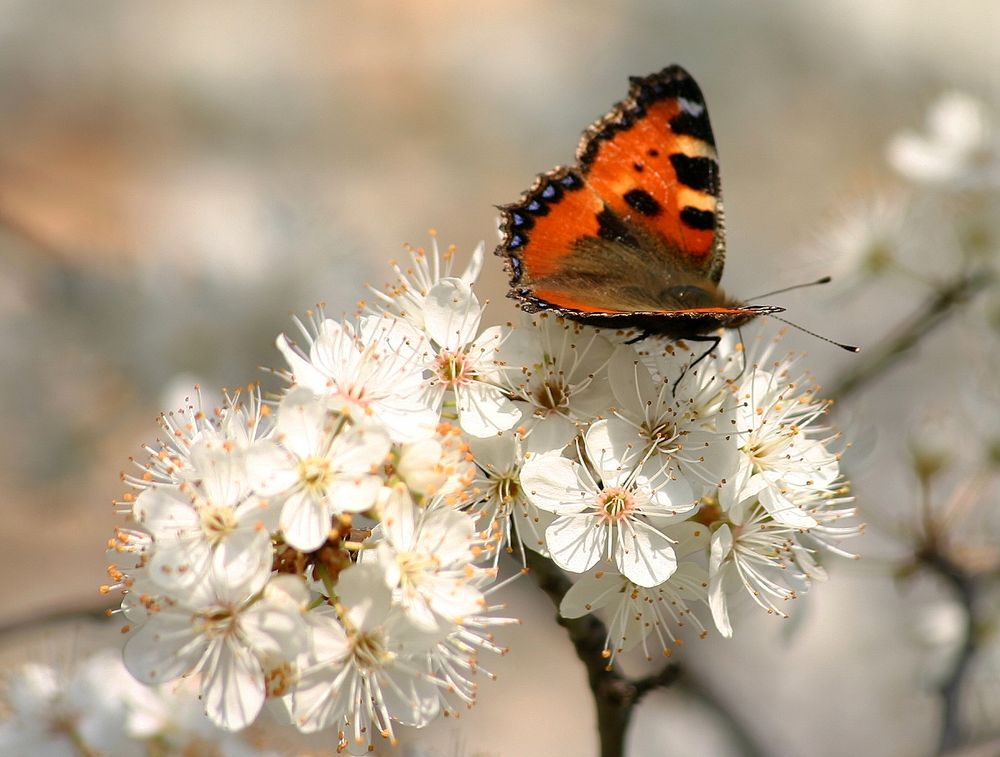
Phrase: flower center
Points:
(369, 650)
(765, 449)
(452, 369)
(616, 503)
(357, 394)
(217, 622)
(315, 474)
(412, 565)
(709, 511)
(662, 436)
(506, 488)
(217, 522)
(552, 397)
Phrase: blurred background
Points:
(176, 178)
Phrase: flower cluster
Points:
(960, 148)
(332, 548)
(97, 708)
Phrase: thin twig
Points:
(950, 736)
(934, 311)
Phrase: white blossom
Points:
(211, 526)
(500, 501)
(360, 674)
(464, 365)
(335, 549)
(319, 465)
(770, 560)
(778, 456)
(427, 558)
(635, 613)
(556, 371)
(372, 372)
(604, 514)
(680, 433)
(407, 295)
(231, 635)
(437, 466)
(960, 146)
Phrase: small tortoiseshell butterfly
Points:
(632, 236)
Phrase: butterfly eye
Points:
(687, 296)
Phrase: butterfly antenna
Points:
(848, 347)
(824, 280)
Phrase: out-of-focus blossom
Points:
(960, 147)
(96, 708)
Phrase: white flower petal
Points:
(471, 273)
(353, 495)
(305, 521)
(221, 469)
(303, 372)
(722, 545)
(413, 701)
(616, 440)
(553, 483)
(591, 592)
(360, 451)
(335, 354)
(576, 542)
(550, 434)
(671, 496)
(483, 410)
(783, 510)
(399, 517)
(484, 353)
(233, 685)
(645, 556)
(164, 648)
(272, 468)
(164, 510)
(362, 588)
(304, 423)
(274, 626)
(241, 553)
(407, 419)
(629, 380)
(689, 537)
(451, 313)
(601, 452)
(446, 534)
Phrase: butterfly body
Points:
(632, 236)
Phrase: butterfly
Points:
(633, 235)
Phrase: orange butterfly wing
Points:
(633, 235)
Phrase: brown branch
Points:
(934, 311)
(964, 587)
(615, 696)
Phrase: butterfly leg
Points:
(714, 339)
(642, 335)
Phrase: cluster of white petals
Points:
(960, 147)
(331, 550)
(95, 707)
(693, 487)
